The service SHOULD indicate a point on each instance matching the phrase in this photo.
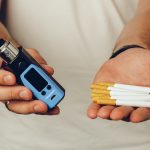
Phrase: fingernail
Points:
(8, 79)
(37, 108)
(23, 94)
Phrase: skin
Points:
(129, 67)
(23, 104)
(10, 91)
(118, 70)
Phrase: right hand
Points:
(20, 97)
(130, 67)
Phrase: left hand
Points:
(33, 106)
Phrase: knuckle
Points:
(12, 94)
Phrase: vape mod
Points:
(30, 74)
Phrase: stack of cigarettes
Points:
(120, 94)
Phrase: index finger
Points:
(36, 55)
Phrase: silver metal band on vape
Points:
(124, 48)
(7, 51)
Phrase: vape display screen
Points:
(36, 79)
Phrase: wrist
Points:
(137, 40)
(4, 34)
(124, 48)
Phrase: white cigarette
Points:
(132, 88)
(122, 87)
(122, 102)
(127, 93)
(133, 103)
(138, 98)
(110, 88)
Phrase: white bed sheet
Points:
(75, 37)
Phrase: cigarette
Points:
(123, 103)
(105, 85)
(121, 94)
(112, 93)
(99, 88)
(118, 93)
(125, 98)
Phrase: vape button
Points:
(49, 87)
(43, 93)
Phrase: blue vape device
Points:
(30, 74)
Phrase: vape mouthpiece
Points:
(8, 52)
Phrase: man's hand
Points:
(19, 97)
(130, 67)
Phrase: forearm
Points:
(137, 31)
(5, 35)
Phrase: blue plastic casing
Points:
(52, 95)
